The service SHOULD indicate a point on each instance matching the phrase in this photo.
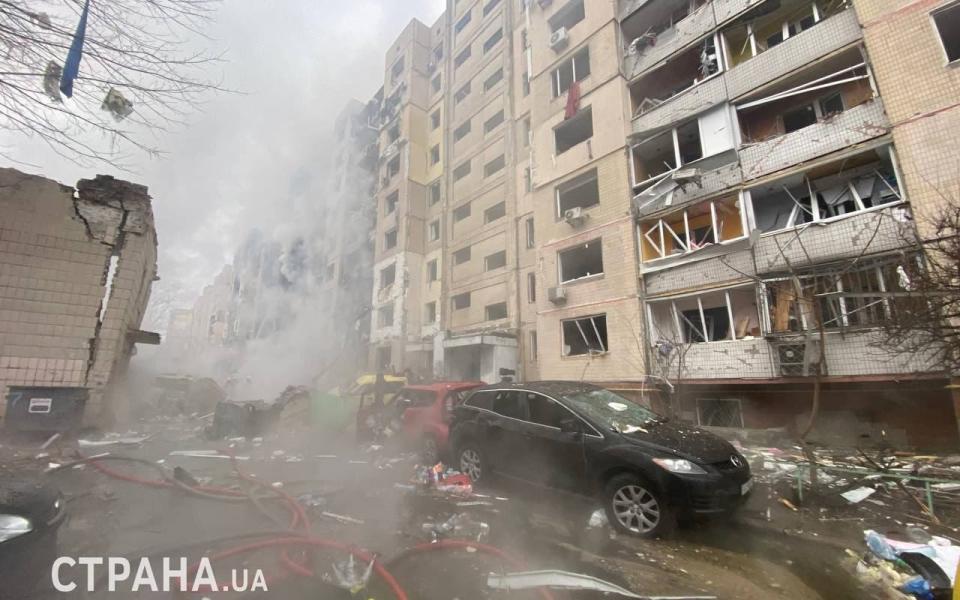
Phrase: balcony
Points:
(741, 359)
(866, 233)
(699, 270)
(686, 104)
(831, 34)
(646, 49)
(853, 126)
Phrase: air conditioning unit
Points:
(559, 39)
(798, 359)
(574, 217)
(557, 295)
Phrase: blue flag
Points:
(72, 67)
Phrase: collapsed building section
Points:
(76, 268)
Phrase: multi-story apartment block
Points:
(681, 189)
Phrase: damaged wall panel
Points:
(75, 276)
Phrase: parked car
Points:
(426, 414)
(584, 439)
(31, 512)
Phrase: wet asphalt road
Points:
(727, 560)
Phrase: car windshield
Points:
(612, 411)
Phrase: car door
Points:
(556, 458)
(506, 432)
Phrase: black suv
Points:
(581, 438)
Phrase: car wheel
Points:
(429, 450)
(472, 463)
(635, 507)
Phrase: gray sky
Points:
(298, 62)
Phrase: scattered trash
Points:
(788, 504)
(936, 561)
(445, 481)
(342, 518)
(567, 580)
(117, 105)
(312, 500)
(205, 454)
(110, 441)
(461, 526)
(858, 494)
(351, 576)
(598, 519)
(184, 476)
(51, 440)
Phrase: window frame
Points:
(955, 6)
(596, 331)
(572, 63)
(572, 249)
(588, 111)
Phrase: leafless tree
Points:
(927, 320)
(139, 73)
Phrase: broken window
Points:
(574, 130)
(385, 316)
(461, 58)
(393, 167)
(435, 119)
(461, 256)
(495, 212)
(583, 191)
(462, 93)
(390, 239)
(862, 297)
(711, 317)
(585, 335)
(492, 40)
(432, 271)
(493, 80)
(493, 122)
(461, 171)
(685, 70)
(387, 276)
(435, 154)
(709, 134)
(531, 237)
(654, 23)
(393, 133)
(494, 166)
(461, 212)
(767, 27)
(693, 228)
(583, 260)
(531, 287)
(391, 202)
(575, 69)
(824, 92)
(433, 232)
(854, 185)
(430, 313)
(434, 192)
(396, 70)
(719, 413)
(568, 16)
(435, 84)
(495, 312)
(461, 301)
(461, 132)
(463, 22)
(497, 260)
(947, 20)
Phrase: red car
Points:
(429, 409)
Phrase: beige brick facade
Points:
(921, 93)
(76, 269)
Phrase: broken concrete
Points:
(76, 268)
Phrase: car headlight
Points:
(12, 526)
(679, 465)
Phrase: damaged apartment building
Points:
(76, 268)
(682, 190)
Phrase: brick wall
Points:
(55, 255)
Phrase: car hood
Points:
(686, 441)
